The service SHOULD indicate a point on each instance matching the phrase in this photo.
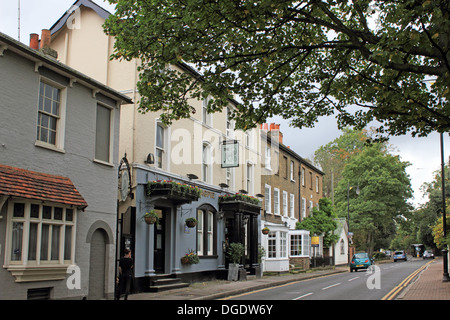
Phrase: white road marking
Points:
(305, 295)
(352, 279)
(333, 285)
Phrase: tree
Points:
(321, 222)
(333, 157)
(384, 188)
(360, 60)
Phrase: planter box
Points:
(240, 206)
(233, 272)
(172, 193)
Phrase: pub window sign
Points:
(230, 154)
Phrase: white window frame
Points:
(311, 207)
(26, 222)
(207, 162)
(303, 208)
(285, 203)
(292, 205)
(317, 184)
(200, 227)
(229, 129)
(299, 243)
(250, 177)
(207, 118)
(268, 198)
(60, 122)
(276, 201)
(159, 149)
(268, 158)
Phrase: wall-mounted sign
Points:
(315, 241)
(230, 154)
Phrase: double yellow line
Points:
(391, 294)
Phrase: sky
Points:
(423, 153)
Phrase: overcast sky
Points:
(423, 153)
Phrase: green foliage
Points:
(235, 252)
(300, 60)
(321, 222)
(384, 188)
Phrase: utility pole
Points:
(445, 277)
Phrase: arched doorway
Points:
(97, 265)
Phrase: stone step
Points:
(163, 282)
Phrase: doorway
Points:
(159, 240)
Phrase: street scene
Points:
(241, 153)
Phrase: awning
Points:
(21, 183)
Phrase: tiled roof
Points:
(27, 184)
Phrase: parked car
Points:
(400, 255)
(428, 255)
(360, 261)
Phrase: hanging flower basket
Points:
(265, 230)
(191, 222)
(240, 203)
(151, 217)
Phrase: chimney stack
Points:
(45, 38)
(34, 41)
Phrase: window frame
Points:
(206, 231)
(27, 220)
(276, 201)
(268, 198)
(111, 133)
(60, 119)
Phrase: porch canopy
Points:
(21, 183)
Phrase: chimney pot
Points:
(45, 38)
(34, 41)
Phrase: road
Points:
(373, 284)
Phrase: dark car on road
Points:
(400, 255)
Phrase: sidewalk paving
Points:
(428, 285)
(218, 289)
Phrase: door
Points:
(159, 252)
(97, 265)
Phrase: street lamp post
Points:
(445, 277)
(348, 213)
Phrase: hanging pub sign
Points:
(230, 154)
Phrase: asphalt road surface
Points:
(372, 284)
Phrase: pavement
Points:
(425, 285)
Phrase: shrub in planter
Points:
(151, 217)
(191, 222)
(235, 252)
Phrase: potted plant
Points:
(265, 230)
(191, 222)
(235, 252)
(151, 217)
(190, 258)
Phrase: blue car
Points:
(360, 261)
(400, 255)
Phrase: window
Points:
(303, 208)
(317, 184)
(250, 178)
(41, 234)
(160, 146)
(303, 176)
(299, 243)
(292, 204)
(276, 201)
(267, 198)
(103, 134)
(310, 180)
(285, 203)
(272, 245)
(342, 246)
(286, 168)
(283, 244)
(206, 231)
(207, 117)
(292, 171)
(49, 114)
(267, 158)
(206, 163)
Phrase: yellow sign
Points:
(315, 241)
